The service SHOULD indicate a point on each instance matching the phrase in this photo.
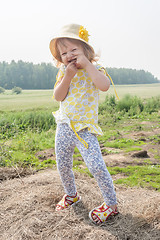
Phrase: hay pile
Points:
(27, 211)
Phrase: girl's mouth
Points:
(72, 60)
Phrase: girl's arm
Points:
(61, 89)
(100, 80)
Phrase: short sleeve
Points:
(100, 68)
(59, 76)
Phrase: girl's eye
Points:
(74, 49)
(63, 54)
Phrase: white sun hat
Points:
(73, 31)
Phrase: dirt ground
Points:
(28, 200)
(28, 203)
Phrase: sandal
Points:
(67, 201)
(103, 212)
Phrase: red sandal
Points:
(103, 212)
(67, 201)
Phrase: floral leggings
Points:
(65, 143)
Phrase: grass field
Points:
(40, 99)
(139, 90)
(28, 127)
(27, 100)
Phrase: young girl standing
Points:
(77, 88)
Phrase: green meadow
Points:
(28, 127)
(33, 99)
(139, 90)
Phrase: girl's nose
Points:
(69, 55)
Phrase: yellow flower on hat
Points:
(83, 33)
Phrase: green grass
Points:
(83, 170)
(147, 176)
(27, 100)
(155, 138)
(110, 151)
(13, 123)
(20, 151)
(77, 163)
(141, 176)
(27, 126)
(123, 143)
(130, 149)
(156, 153)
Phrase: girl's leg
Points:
(64, 148)
(94, 161)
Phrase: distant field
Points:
(33, 99)
(140, 90)
(27, 100)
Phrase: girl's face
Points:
(69, 51)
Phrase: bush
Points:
(16, 90)
(132, 105)
(152, 105)
(2, 90)
(111, 111)
(108, 105)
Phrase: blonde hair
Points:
(88, 51)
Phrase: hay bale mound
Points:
(28, 211)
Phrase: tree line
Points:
(27, 75)
(131, 76)
(43, 76)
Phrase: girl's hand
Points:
(71, 69)
(82, 61)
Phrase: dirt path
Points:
(27, 211)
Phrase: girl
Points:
(77, 88)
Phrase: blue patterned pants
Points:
(65, 143)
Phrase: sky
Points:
(126, 33)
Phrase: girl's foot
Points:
(67, 201)
(102, 213)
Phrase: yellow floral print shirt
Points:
(81, 103)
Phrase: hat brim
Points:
(71, 36)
